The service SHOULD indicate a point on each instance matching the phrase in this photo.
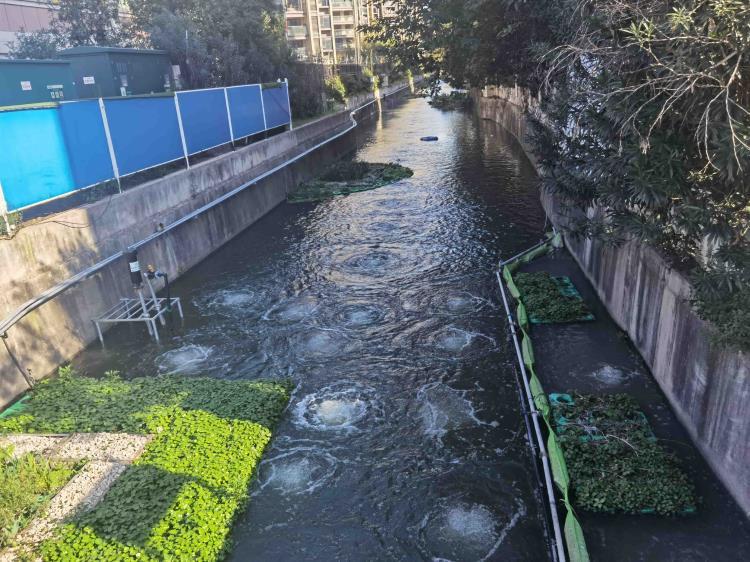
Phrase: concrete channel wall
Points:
(51, 250)
(708, 386)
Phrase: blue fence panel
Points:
(33, 161)
(276, 103)
(204, 119)
(145, 132)
(83, 130)
(246, 107)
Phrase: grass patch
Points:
(551, 299)
(348, 177)
(179, 499)
(27, 484)
(614, 460)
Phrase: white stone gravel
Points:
(108, 455)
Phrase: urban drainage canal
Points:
(404, 439)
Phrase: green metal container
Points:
(113, 72)
(35, 81)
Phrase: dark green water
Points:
(404, 439)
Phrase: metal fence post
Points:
(110, 146)
(182, 130)
(288, 104)
(229, 115)
(263, 107)
(4, 210)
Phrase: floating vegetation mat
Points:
(615, 462)
(551, 300)
(454, 100)
(349, 177)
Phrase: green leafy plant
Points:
(544, 300)
(180, 498)
(348, 177)
(451, 101)
(27, 484)
(335, 89)
(615, 462)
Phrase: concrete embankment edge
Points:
(707, 385)
(49, 251)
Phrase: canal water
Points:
(404, 439)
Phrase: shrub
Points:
(335, 89)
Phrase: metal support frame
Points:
(229, 115)
(110, 146)
(147, 311)
(182, 130)
(263, 108)
(288, 104)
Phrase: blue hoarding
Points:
(145, 132)
(34, 162)
(83, 130)
(276, 104)
(246, 108)
(204, 119)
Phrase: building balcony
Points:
(343, 20)
(296, 31)
(345, 32)
(326, 44)
(342, 5)
(294, 6)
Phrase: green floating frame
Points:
(567, 289)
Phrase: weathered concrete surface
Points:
(51, 250)
(708, 386)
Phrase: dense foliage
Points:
(614, 461)
(27, 483)
(645, 127)
(546, 302)
(178, 501)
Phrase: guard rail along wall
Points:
(57, 149)
(707, 385)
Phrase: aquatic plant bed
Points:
(454, 100)
(348, 177)
(614, 460)
(27, 484)
(180, 498)
(551, 300)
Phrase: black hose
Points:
(26, 375)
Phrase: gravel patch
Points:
(108, 455)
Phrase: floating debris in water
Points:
(349, 177)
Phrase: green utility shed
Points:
(113, 71)
(35, 81)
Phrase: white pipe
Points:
(559, 543)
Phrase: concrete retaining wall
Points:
(708, 386)
(51, 250)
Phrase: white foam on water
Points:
(301, 470)
(467, 531)
(323, 342)
(337, 408)
(234, 298)
(444, 409)
(292, 310)
(456, 340)
(187, 358)
(610, 375)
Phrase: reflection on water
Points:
(401, 441)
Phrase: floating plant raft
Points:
(614, 460)
(349, 177)
(551, 300)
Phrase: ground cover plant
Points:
(615, 462)
(180, 498)
(27, 484)
(348, 177)
(546, 300)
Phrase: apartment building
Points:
(17, 16)
(326, 30)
